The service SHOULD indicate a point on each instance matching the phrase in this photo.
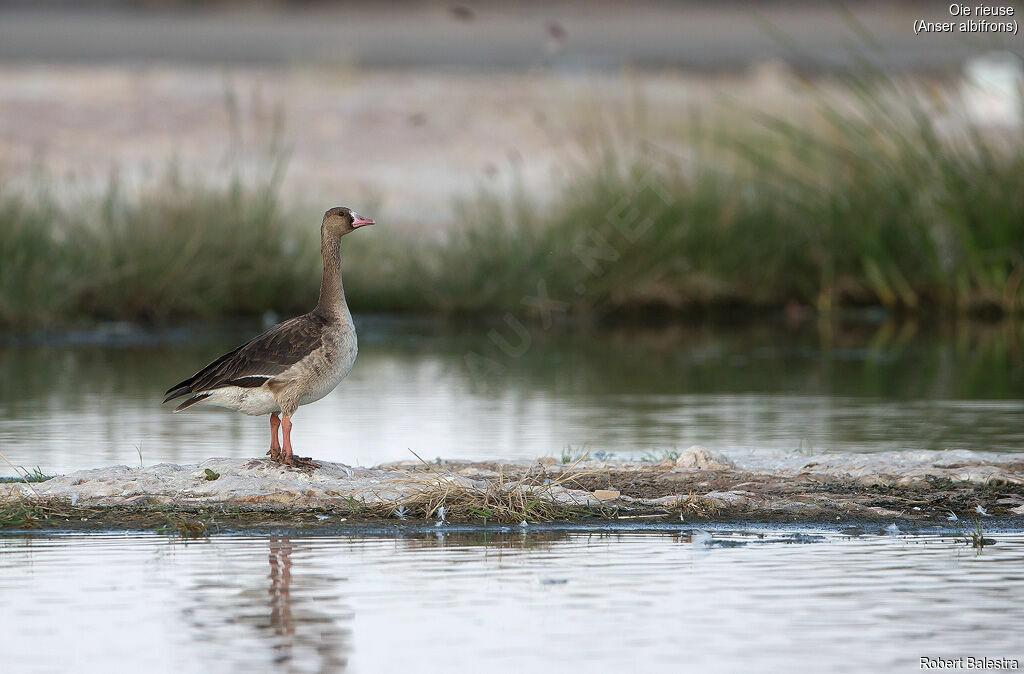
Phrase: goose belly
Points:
(255, 401)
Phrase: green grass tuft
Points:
(660, 456)
(571, 455)
(34, 475)
(976, 538)
(19, 514)
(179, 251)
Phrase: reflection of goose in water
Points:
(280, 591)
(303, 639)
(300, 619)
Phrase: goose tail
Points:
(178, 390)
(191, 401)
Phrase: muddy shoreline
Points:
(223, 495)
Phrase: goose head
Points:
(339, 221)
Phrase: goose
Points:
(293, 363)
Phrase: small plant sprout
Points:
(653, 456)
(210, 475)
(24, 477)
(27, 476)
(36, 475)
(570, 455)
(976, 539)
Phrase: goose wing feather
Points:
(259, 359)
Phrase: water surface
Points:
(566, 601)
(757, 392)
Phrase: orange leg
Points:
(286, 454)
(275, 444)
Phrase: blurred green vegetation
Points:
(874, 204)
(176, 252)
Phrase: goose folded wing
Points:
(260, 359)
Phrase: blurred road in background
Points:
(513, 36)
(403, 106)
